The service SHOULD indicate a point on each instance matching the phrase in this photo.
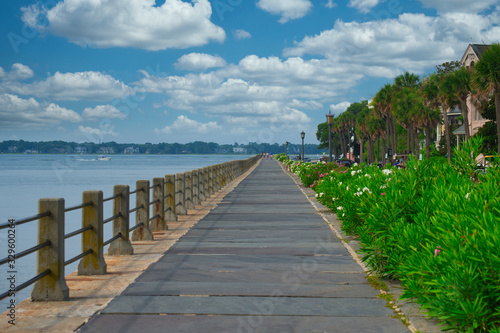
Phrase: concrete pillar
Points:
(158, 206)
(169, 193)
(51, 287)
(142, 214)
(180, 208)
(201, 185)
(122, 245)
(196, 188)
(92, 264)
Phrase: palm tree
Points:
(457, 84)
(429, 116)
(383, 102)
(487, 78)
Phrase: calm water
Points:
(26, 178)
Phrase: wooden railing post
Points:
(196, 188)
(51, 287)
(92, 264)
(169, 195)
(158, 206)
(201, 185)
(215, 177)
(188, 190)
(121, 205)
(208, 186)
(180, 208)
(142, 214)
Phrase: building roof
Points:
(479, 48)
(459, 131)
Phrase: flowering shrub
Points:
(434, 226)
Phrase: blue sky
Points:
(226, 71)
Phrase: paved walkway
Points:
(262, 261)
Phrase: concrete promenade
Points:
(263, 260)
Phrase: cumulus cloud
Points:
(385, 48)
(103, 111)
(77, 86)
(330, 4)
(17, 72)
(19, 112)
(337, 109)
(462, 6)
(241, 34)
(95, 134)
(128, 23)
(183, 124)
(363, 6)
(199, 61)
(287, 9)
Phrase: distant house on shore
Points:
(106, 150)
(239, 150)
(131, 150)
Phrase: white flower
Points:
(339, 208)
(316, 195)
(333, 199)
(359, 189)
(321, 194)
(343, 214)
(340, 183)
(358, 193)
(387, 171)
(467, 196)
(347, 188)
(366, 189)
(355, 164)
(359, 171)
(353, 172)
(369, 177)
(383, 186)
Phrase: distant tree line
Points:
(106, 148)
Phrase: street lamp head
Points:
(329, 118)
(302, 135)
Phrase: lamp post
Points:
(329, 120)
(302, 135)
(287, 148)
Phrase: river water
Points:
(26, 178)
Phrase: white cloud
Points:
(241, 34)
(463, 6)
(288, 9)
(330, 4)
(17, 112)
(95, 134)
(17, 72)
(364, 6)
(129, 23)
(337, 109)
(385, 48)
(93, 86)
(199, 61)
(183, 124)
(103, 111)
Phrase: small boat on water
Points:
(103, 158)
